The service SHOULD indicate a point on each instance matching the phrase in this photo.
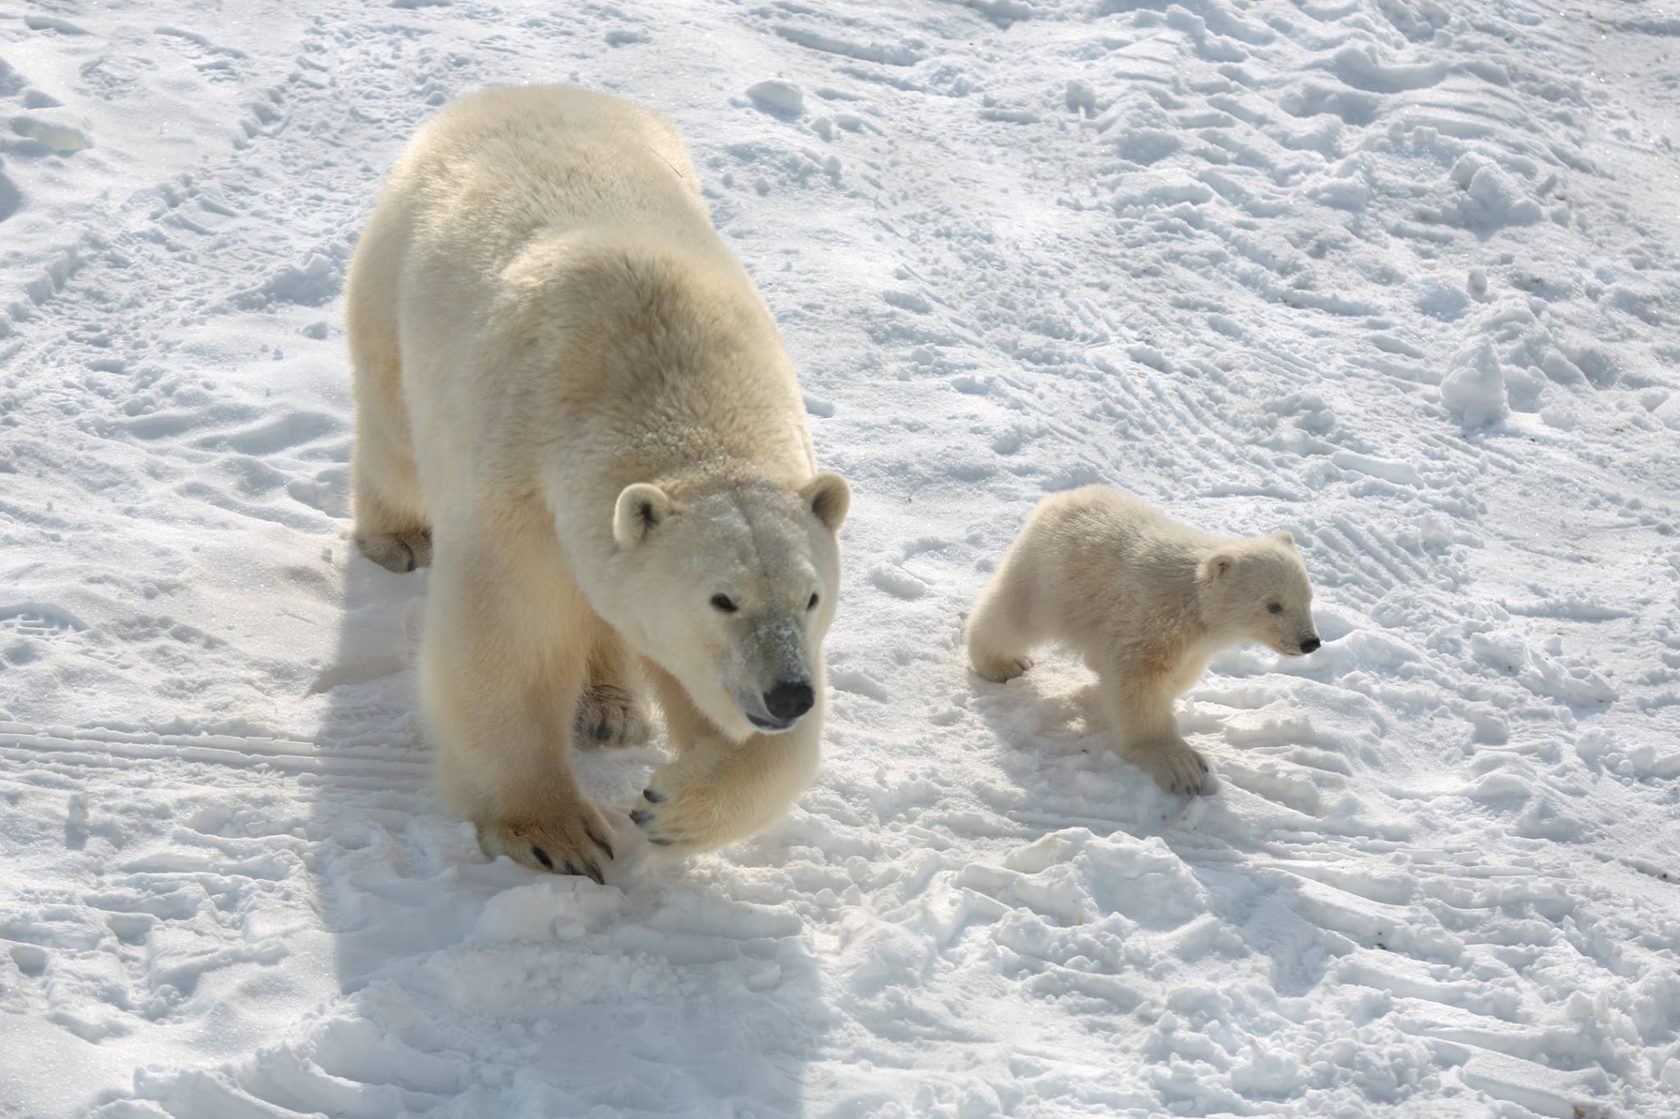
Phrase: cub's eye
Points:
(812, 605)
(723, 604)
(1271, 607)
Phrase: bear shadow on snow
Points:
(1054, 743)
(659, 970)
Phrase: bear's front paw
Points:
(1175, 766)
(1000, 669)
(611, 716)
(397, 551)
(574, 843)
(682, 815)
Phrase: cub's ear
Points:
(1284, 537)
(641, 507)
(1216, 567)
(828, 496)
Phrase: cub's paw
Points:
(577, 843)
(1175, 766)
(608, 715)
(1000, 669)
(397, 551)
(684, 816)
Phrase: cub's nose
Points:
(789, 699)
(1311, 644)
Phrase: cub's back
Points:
(1111, 564)
(1097, 527)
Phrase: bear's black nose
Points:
(789, 699)
(1310, 644)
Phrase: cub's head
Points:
(730, 589)
(1257, 589)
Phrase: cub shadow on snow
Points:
(649, 995)
(1057, 748)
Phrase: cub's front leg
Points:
(501, 672)
(1140, 708)
(717, 791)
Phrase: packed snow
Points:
(1399, 276)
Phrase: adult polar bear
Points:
(572, 400)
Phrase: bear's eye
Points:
(812, 605)
(1274, 607)
(723, 604)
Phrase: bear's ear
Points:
(1285, 537)
(641, 507)
(828, 496)
(1216, 566)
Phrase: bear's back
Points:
(494, 171)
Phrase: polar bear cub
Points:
(1147, 601)
(572, 401)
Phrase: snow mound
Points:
(1474, 388)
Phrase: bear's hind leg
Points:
(391, 528)
(401, 551)
(610, 711)
(391, 524)
(1142, 714)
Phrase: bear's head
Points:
(730, 587)
(1257, 589)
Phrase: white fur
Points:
(1146, 601)
(571, 397)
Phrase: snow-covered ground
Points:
(1398, 275)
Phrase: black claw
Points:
(602, 732)
(542, 857)
(601, 843)
(571, 867)
(640, 817)
(595, 872)
(660, 840)
(656, 798)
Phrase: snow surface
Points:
(1397, 275)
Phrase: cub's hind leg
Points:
(1000, 633)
